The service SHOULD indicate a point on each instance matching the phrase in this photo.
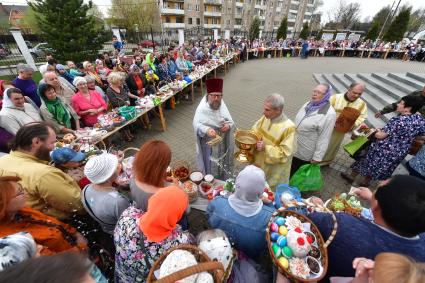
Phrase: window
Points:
(180, 6)
(167, 20)
(294, 7)
(189, 7)
(197, 7)
(180, 20)
(189, 21)
(198, 21)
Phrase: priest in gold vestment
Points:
(277, 142)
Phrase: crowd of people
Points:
(50, 222)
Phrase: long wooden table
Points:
(143, 111)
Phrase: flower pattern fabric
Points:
(133, 249)
(385, 155)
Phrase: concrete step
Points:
(373, 98)
(392, 82)
(407, 80)
(337, 86)
(319, 79)
(384, 88)
(417, 76)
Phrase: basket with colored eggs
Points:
(297, 247)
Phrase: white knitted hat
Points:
(100, 168)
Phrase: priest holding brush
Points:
(213, 127)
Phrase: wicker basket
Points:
(215, 268)
(181, 163)
(322, 245)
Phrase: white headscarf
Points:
(249, 186)
(78, 80)
(43, 69)
(7, 103)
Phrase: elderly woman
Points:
(315, 122)
(243, 216)
(91, 71)
(162, 69)
(118, 95)
(136, 83)
(100, 199)
(54, 111)
(392, 143)
(16, 112)
(181, 63)
(89, 104)
(91, 85)
(47, 231)
(150, 233)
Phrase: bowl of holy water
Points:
(245, 140)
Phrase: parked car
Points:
(148, 43)
(40, 50)
(4, 50)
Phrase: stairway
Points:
(381, 89)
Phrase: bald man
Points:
(351, 112)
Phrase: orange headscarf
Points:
(165, 209)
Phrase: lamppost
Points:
(136, 29)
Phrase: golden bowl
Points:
(245, 140)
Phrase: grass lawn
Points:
(36, 77)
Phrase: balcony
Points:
(212, 14)
(307, 13)
(212, 26)
(213, 2)
(168, 11)
(262, 17)
(239, 4)
(173, 25)
(237, 26)
(293, 11)
(292, 20)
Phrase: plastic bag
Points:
(352, 147)
(307, 178)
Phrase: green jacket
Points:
(393, 106)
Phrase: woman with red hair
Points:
(150, 171)
(47, 231)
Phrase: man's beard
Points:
(43, 153)
(215, 105)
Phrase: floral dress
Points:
(133, 249)
(385, 155)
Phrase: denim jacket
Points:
(247, 234)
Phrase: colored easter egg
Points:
(276, 250)
(280, 221)
(287, 252)
(274, 227)
(283, 230)
(283, 262)
(281, 241)
(274, 236)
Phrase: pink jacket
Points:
(80, 104)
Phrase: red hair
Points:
(151, 162)
(7, 191)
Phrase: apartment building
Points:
(235, 15)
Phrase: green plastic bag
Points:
(352, 147)
(307, 178)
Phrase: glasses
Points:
(20, 192)
(216, 95)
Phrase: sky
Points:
(368, 7)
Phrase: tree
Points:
(343, 15)
(417, 19)
(283, 29)
(305, 32)
(399, 26)
(68, 29)
(254, 29)
(129, 14)
(319, 34)
(377, 23)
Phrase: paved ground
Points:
(246, 86)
